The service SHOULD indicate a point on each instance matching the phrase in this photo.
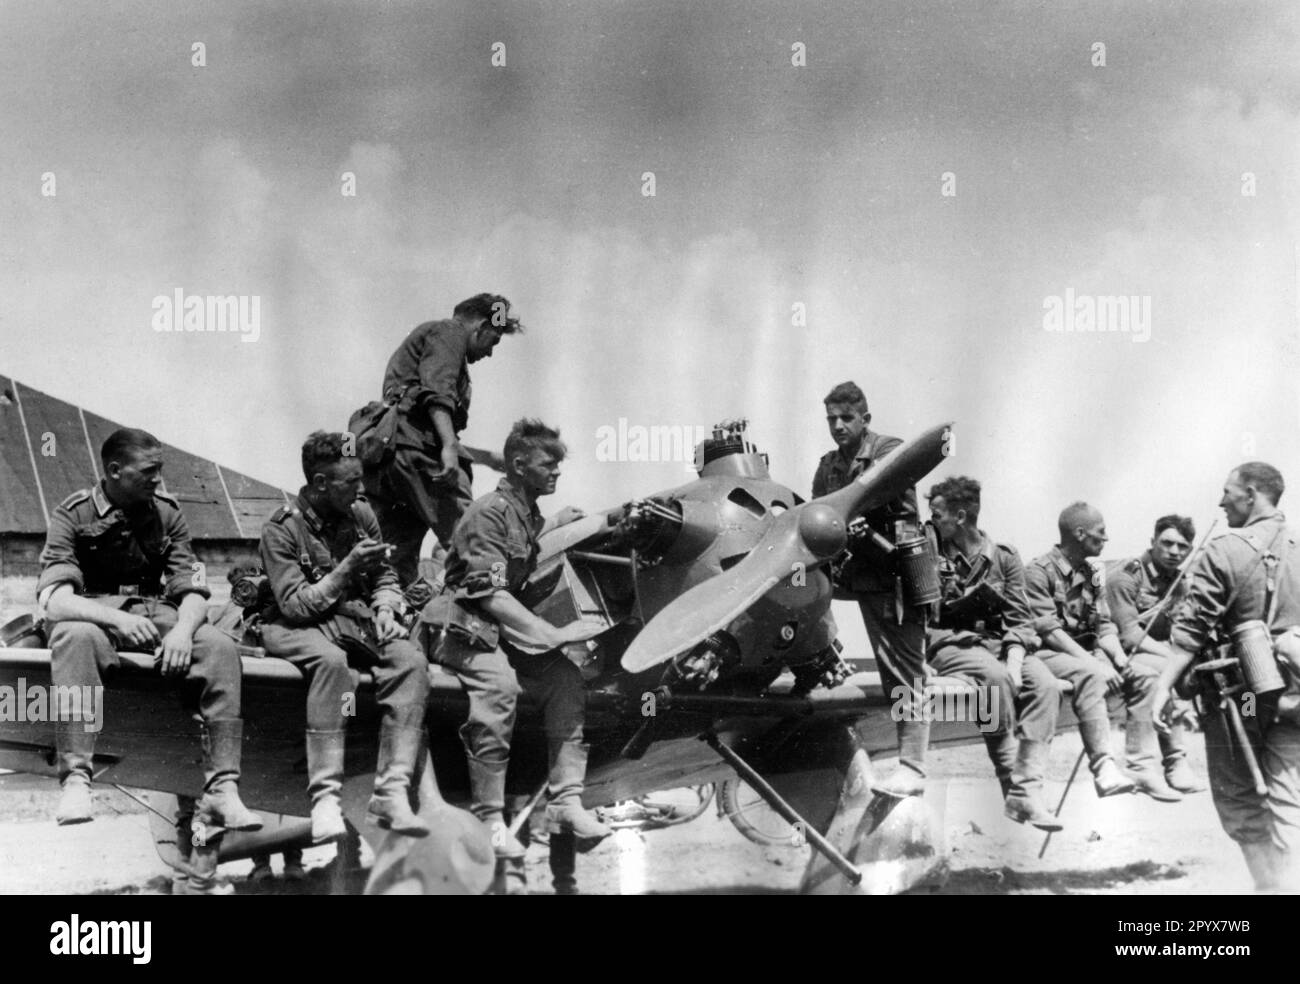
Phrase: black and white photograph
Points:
(594, 447)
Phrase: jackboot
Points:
(568, 778)
(1024, 802)
(1139, 750)
(1178, 771)
(908, 778)
(1002, 753)
(1107, 778)
(220, 805)
(76, 766)
(202, 878)
(324, 780)
(487, 786)
(401, 743)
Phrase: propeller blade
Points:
(808, 534)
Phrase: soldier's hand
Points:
(177, 653)
(137, 630)
(366, 555)
(387, 626)
(579, 631)
(450, 457)
(569, 514)
(1114, 680)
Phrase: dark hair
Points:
(1071, 516)
(125, 440)
(959, 492)
(322, 449)
(245, 567)
(492, 308)
(1264, 478)
(848, 393)
(1183, 524)
(529, 434)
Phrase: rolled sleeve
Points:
(1041, 601)
(182, 572)
(59, 557)
(484, 546)
(1121, 599)
(299, 600)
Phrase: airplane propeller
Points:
(807, 535)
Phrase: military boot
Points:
(1107, 778)
(202, 878)
(908, 778)
(220, 805)
(1178, 771)
(1139, 748)
(401, 743)
(76, 765)
(324, 780)
(565, 814)
(487, 785)
(1024, 802)
(1002, 753)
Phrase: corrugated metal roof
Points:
(50, 449)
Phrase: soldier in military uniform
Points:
(1078, 641)
(984, 634)
(118, 572)
(426, 483)
(480, 630)
(1135, 589)
(1252, 572)
(335, 597)
(896, 630)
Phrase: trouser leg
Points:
(553, 680)
(1140, 744)
(900, 655)
(1038, 704)
(994, 703)
(402, 682)
(1089, 699)
(415, 503)
(79, 651)
(330, 682)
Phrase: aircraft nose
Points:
(822, 530)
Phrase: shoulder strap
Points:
(1272, 562)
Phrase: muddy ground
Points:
(1126, 845)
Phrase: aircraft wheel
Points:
(750, 814)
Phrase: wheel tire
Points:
(750, 814)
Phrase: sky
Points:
(778, 188)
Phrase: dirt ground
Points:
(1125, 845)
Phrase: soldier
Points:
(984, 634)
(1134, 590)
(1252, 572)
(427, 482)
(896, 630)
(119, 572)
(1078, 638)
(480, 630)
(335, 597)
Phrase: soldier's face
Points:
(137, 476)
(540, 471)
(482, 341)
(1237, 501)
(946, 521)
(846, 424)
(1092, 537)
(339, 484)
(1169, 549)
